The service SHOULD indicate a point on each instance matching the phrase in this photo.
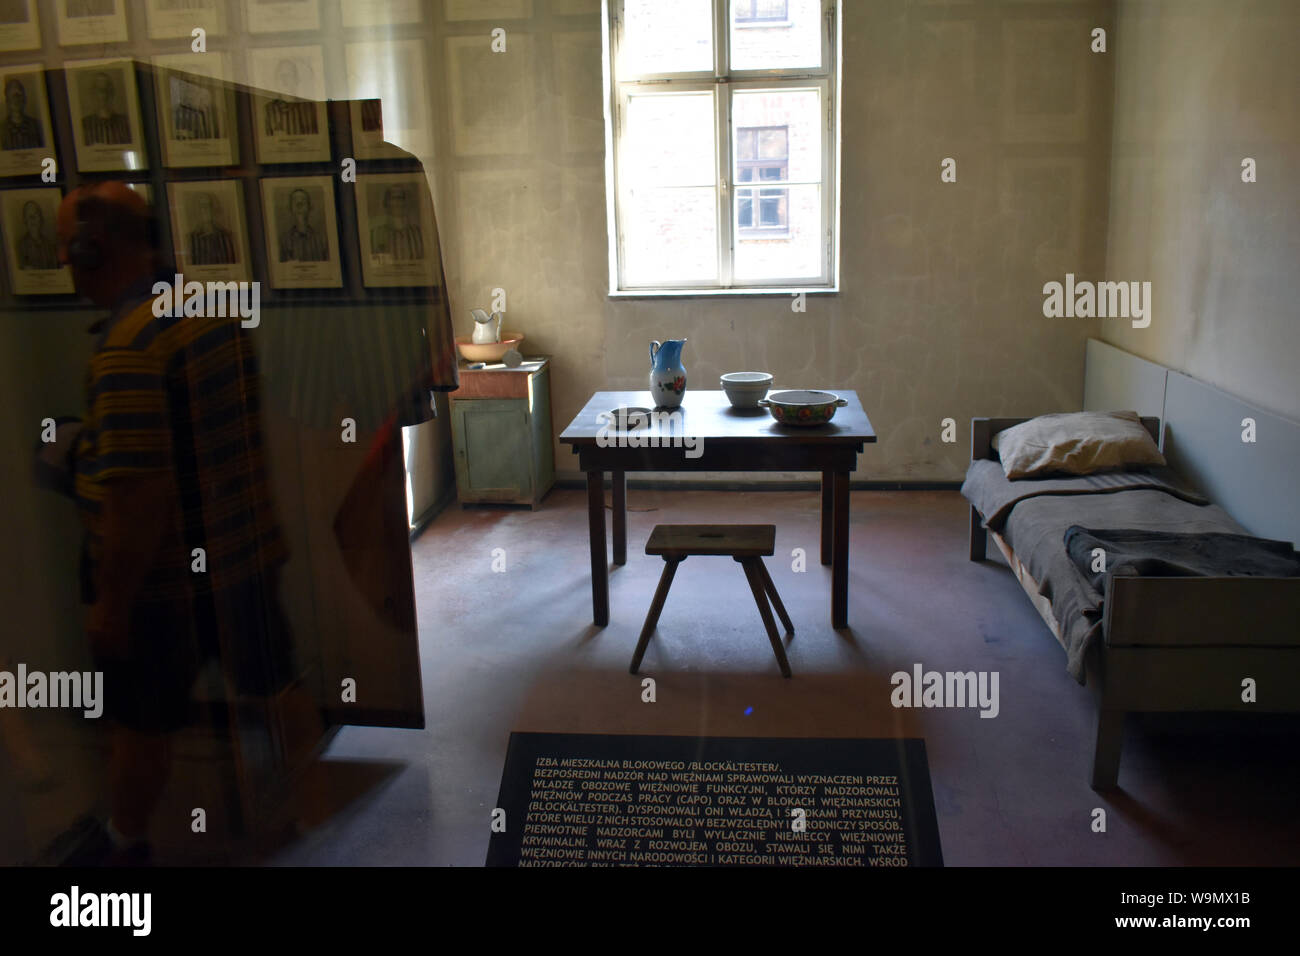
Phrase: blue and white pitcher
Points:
(667, 375)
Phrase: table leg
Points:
(596, 532)
(840, 557)
(827, 531)
(620, 516)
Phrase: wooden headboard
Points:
(1255, 482)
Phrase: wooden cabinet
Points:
(501, 428)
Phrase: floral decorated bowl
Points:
(803, 406)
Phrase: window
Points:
(757, 11)
(763, 155)
(722, 165)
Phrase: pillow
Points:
(1077, 443)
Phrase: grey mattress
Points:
(1035, 529)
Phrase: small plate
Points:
(626, 417)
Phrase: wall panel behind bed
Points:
(1115, 380)
(1254, 482)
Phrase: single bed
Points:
(1148, 643)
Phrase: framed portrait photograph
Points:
(390, 108)
(26, 136)
(290, 122)
(282, 16)
(302, 238)
(396, 233)
(209, 231)
(178, 18)
(30, 244)
(105, 114)
(196, 109)
(91, 21)
(20, 27)
(380, 13)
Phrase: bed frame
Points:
(1171, 644)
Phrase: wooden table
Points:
(729, 440)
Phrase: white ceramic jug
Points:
(485, 332)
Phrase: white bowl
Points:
(744, 389)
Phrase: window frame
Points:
(724, 84)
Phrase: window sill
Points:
(764, 24)
(708, 293)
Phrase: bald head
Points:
(117, 221)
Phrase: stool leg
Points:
(776, 598)
(760, 598)
(656, 607)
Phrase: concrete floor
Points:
(517, 651)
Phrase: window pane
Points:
(745, 140)
(669, 140)
(787, 127)
(774, 143)
(786, 242)
(776, 34)
(666, 36)
(671, 235)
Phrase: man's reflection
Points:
(182, 549)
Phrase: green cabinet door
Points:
(493, 450)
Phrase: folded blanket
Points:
(1177, 554)
(994, 495)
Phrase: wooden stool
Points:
(746, 543)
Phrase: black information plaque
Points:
(621, 800)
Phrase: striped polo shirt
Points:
(180, 396)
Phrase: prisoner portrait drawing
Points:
(31, 245)
(20, 129)
(396, 230)
(399, 235)
(302, 238)
(104, 124)
(287, 115)
(36, 248)
(210, 243)
(301, 228)
(194, 108)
